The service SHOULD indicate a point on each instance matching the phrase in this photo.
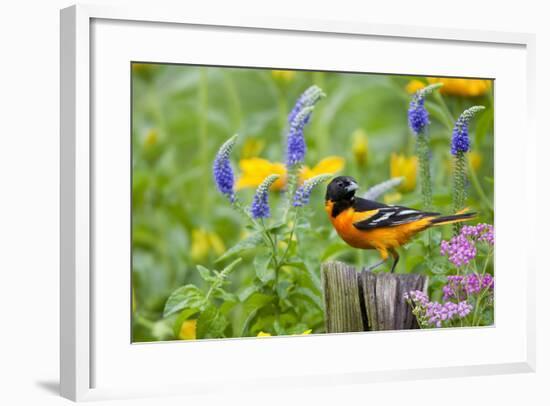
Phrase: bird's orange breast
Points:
(343, 224)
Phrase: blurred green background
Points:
(182, 114)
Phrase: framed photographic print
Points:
(320, 197)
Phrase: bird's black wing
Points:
(386, 216)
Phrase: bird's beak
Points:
(352, 187)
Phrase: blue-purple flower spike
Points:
(307, 99)
(296, 144)
(301, 198)
(297, 119)
(461, 139)
(417, 114)
(223, 172)
(260, 203)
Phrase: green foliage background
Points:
(182, 114)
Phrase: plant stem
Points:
(423, 151)
(459, 190)
(268, 236)
(261, 226)
(481, 296)
(290, 236)
(291, 186)
(489, 255)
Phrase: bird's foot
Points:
(374, 266)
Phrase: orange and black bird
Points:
(367, 224)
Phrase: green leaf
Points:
(229, 268)
(185, 297)
(246, 292)
(211, 323)
(278, 228)
(252, 241)
(438, 265)
(282, 289)
(261, 265)
(252, 305)
(308, 275)
(225, 296)
(308, 294)
(205, 273)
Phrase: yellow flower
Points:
(475, 159)
(151, 138)
(283, 75)
(202, 242)
(262, 334)
(252, 147)
(331, 164)
(414, 85)
(188, 330)
(360, 146)
(255, 170)
(462, 87)
(402, 166)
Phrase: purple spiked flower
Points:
(460, 141)
(297, 119)
(223, 172)
(296, 144)
(301, 198)
(260, 204)
(418, 115)
(307, 99)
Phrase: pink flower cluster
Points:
(480, 232)
(435, 313)
(461, 249)
(459, 287)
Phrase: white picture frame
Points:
(80, 314)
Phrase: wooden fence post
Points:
(367, 301)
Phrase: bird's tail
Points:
(454, 218)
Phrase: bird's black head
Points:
(341, 188)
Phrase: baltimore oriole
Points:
(367, 224)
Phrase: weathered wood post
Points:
(367, 301)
